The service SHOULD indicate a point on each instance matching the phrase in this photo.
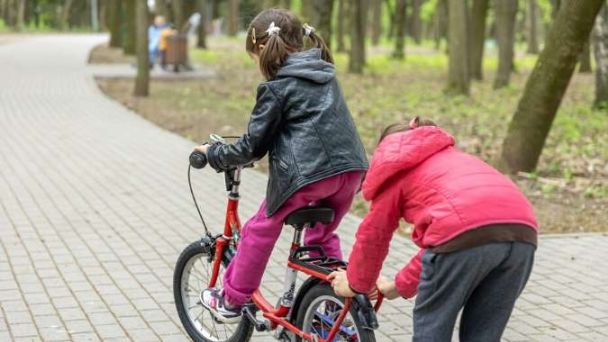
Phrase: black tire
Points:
(201, 250)
(324, 290)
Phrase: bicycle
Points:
(314, 313)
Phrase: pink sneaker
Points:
(213, 300)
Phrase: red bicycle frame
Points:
(276, 315)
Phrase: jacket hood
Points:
(403, 151)
(308, 65)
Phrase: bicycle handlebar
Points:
(198, 160)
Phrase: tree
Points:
(233, 17)
(532, 27)
(65, 14)
(130, 34)
(400, 27)
(276, 3)
(201, 41)
(161, 8)
(441, 22)
(458, 73)
(114, 10)
(415, 22)
(555, 7)
(391, 15)
(546, 85)
(506, 11)
(179, 17)
(600, 51)
(479, 12)
(584, 59)
(357, 36)
(321, 19)
(341, 23)
(142, 81)
(20, 22)
(376, 7)
(307, 9)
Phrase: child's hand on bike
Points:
(202, 148)
(387, 287)
(339, 282)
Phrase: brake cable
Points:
(194, 197)
(196, 203)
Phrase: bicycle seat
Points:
(311, 216)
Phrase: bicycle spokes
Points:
(325, 316)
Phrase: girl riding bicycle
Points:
(476, 232)
(315, 154)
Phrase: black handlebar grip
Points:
(198, 160)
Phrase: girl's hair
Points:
(402, 126)
(280, 33)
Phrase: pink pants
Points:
(259, 235)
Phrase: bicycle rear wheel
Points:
(319, 309)
(191, 275)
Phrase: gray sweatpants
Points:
(484, 280)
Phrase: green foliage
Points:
(597, 191)
(428, 9)
(546, 9)
(3, 27)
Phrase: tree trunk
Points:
(391, 16)
(400, 28)
(65, 14)
(114, 11)
(441, 22)
(376, 7)
(233, 17)
(276, 4)
(202, 27)
(415, 22)
(11, 13)
(142, 81)
(323, 10)
(160, 8)
(458, 74)
(584, 59)
(555, 6)
(600, 51)
(479, 13)
(341, 23)
(357, 36)
(130, 35)
(215, 11)
(20, 21)
(533, 27)
(308, 10)
(179, 17)
(506, 11)
(546, 85)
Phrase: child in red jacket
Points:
(476, 231)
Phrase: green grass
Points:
(3, 27)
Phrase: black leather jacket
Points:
(301, 120)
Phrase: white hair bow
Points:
(308, 30)
(273, 29)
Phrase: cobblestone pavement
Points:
(95, 209)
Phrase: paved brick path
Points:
(94, 210)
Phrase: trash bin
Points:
(177, 48)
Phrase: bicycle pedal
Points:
(258, 324)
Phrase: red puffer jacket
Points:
(421, 177)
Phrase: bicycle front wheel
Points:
(191, 276)
(319, 310)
